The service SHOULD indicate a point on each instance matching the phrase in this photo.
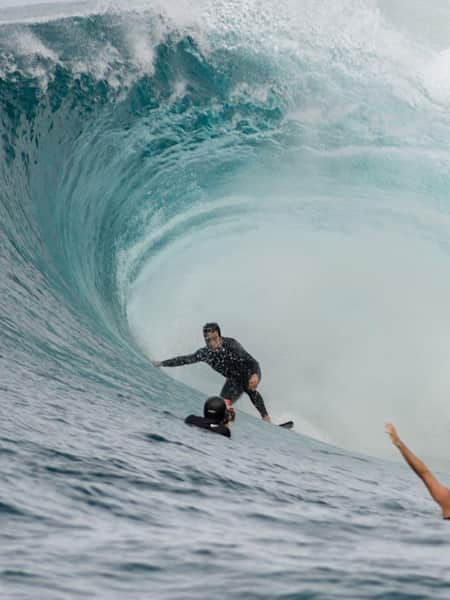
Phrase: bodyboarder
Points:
(215, 417)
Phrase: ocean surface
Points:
(282, 168)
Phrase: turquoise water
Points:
(282, 168)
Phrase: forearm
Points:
(415, 463)
(179, 361)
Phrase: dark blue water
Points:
(282, 168)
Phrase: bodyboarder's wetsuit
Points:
(231, 361)
(208, 424)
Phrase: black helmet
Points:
(215, 409)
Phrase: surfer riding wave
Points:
(227, 357)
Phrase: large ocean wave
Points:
(284, 171)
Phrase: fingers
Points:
(392, 432)
(390, 429)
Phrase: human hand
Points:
(253, 382)
(267, 419)
(156, 363)
(231, 412)
(392, 433)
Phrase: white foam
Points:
(30, 45)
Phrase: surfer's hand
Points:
(392, 433)
(156, 363)
(253, 382)
(267, 419)
(231, 415)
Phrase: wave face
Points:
(283, 169)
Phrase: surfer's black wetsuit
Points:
(208, 424)
(231, 361)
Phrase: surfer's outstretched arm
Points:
(438, 492)
(179, 361)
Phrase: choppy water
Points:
(282, 168)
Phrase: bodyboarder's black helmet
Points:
(215, 409)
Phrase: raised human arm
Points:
(438, 492)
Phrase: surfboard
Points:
(287, 425)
